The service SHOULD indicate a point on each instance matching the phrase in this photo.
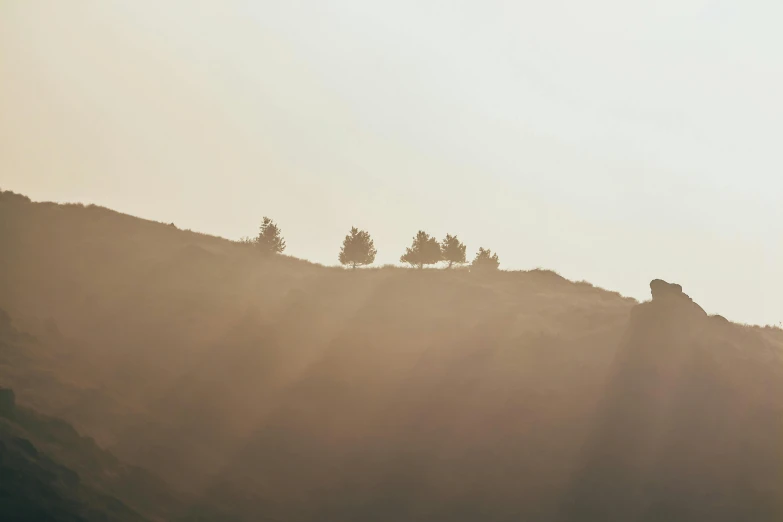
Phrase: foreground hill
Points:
(48, 472)
(277, 388)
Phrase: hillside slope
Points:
(281, 389)
(49, 473)
(689, 427)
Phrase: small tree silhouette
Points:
(485, 260)
(269, 240)
(358, 249)
(452, 250)
(425, 250)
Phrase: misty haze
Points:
(391, 261)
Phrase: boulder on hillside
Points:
(662, 290)
(671, 293)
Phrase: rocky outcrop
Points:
(690, 413)
(670, 304)
(662, 290)
(671, 293)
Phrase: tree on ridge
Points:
(485, 260)
(270, 240)
(425, 250)
(452, 251)
(358, 249)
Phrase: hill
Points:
(50, 473)
(277, 388)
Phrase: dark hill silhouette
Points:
(280, 389)
(50, 473)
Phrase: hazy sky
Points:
(612, 141)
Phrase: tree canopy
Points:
(358, 249)
(270, 240)
(452, 251)
(485, 260)
(425, 250)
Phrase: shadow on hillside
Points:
(680, 434)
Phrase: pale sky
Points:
(611, 141)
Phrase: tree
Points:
(358, 249)
(425, 250)
(269, 240)
(452, 250)
(485, 260)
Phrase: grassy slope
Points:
(50, 472)
(268, 384)
(39, 481)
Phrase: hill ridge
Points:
(280, 388)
